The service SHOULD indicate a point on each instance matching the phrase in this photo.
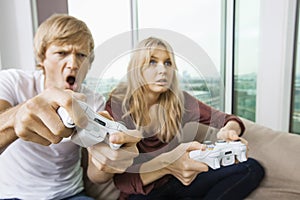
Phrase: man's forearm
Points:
(7, 132)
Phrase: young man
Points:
(38, 160)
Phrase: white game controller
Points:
(222, 153)
(96, 131)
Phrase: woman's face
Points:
(159, 72)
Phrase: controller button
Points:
(100, 122)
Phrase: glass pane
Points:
(246, 58)
(201, 22)
(295, 121)
(103, 17)
(109, 22)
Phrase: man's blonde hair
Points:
(61, 29)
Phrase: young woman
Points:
(152, 102)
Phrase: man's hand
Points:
(104, 162)
(37, 121)
(115, 161)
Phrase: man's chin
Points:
(72, 87)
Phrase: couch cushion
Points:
(279, 153)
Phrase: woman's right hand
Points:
(176, 162)
(184, 168)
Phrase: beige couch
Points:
(278, 152)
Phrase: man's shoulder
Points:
(17, 74)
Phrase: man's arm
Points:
(104, 162)
(36, 120)
(7, 133)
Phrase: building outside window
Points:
(198, 20)
(246, 52)
(295, 108)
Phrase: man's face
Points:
(65, 66)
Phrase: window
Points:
(197, 22)
(110, 24)
(295, 111)
(201, 22)
(246, 57)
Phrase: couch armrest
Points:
(279, 153)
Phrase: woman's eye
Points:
(152, 62)
(168, 63)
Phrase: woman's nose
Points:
(161, 68)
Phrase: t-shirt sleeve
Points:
(8, 80)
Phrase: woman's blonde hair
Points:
(170, 106)
(61, 29)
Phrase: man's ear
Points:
(40, 66)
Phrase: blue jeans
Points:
(79, 196)
(233, 182)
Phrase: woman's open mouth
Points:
(162, 82)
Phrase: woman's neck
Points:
(152, 99)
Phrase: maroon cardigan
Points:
(195, 111)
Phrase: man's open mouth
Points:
(71, 80)
(71, 83)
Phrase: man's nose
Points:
(73, 62)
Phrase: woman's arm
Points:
(153, 173)
(176, 162)
(198, 111)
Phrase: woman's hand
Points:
(176, 162)
(231, 132)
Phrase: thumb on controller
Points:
(195, 146)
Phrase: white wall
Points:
(275, 63)
(16, 41)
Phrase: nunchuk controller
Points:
(98, 129)
(221, 153)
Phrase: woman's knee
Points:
(256, 169)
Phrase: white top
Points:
(32, 171)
